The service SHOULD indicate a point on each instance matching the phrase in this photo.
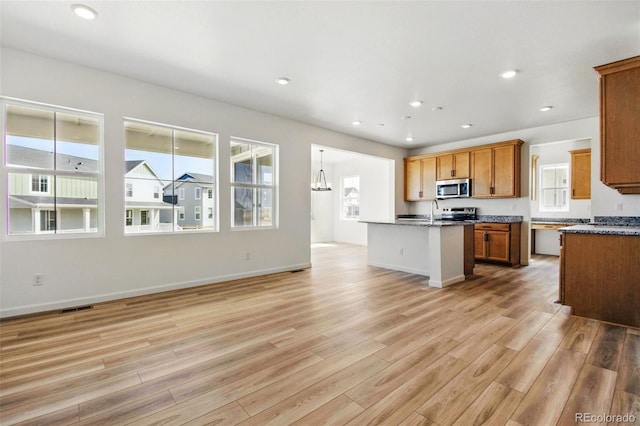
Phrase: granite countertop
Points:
(559, 220)
(418, 222)
(602, 230)
(498, 219)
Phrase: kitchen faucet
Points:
(434, 201)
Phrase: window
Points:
(40, 183)
(174, 159)
(210, 213)
(554, 187)
(129, 218)
(53, 169)
(196, 212)
(129, 190)
(253, 183)
(210, 194)
(351, 197)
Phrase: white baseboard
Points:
(68, 303)
(399, 268)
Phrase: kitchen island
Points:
(441, 250)
(600, 272)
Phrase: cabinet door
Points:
(481, 166)
(581, 174)
(479, 245)
(619, 125)
(413, 180)
(504, 172)
(498, 247)
(444, 165)
(429, 178)
(461, 165)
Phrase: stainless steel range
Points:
(459, 213)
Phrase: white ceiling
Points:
(351, 60)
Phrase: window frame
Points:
(256, 187)
(542, 188)
(343, 198)
(52, 175)
(180, 193)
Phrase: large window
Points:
(180, 161)
(554, 187)
(351, 197)
(253, 184)
(53, 169)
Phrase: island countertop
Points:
(419, 222)
(602, 230)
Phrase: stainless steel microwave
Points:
(453, 188)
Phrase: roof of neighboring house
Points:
(132, 164)
(49, 201)
(192, 177)
(199, 177)
(43, 159)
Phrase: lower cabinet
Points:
(599, 277)
(497, 242)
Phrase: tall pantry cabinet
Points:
(620, 125)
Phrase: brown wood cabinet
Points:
(420, 178)
(453, 166)
(581, 174)
(497, 242)
(495, 170)
(599, 277)
(619, 125)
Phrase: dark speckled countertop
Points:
(607, 225)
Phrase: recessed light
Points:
(84, 12)
(466, 126)
(356, 123)
(546, 108)
(509, 73)
(406, 117)
(283, 81)
(409, 139)
(436, 108)
(416, 104)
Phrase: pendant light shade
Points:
(320, 184)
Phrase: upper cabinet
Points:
(581, 174)
(619, 125)
(420, 178)
(495, 170)
(453, 166)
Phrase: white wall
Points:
(78, 271)
(377, 199)
(558, 153)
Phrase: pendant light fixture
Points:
(321, 181)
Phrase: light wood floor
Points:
(340, 343)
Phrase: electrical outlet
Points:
(618, 207)
(514, 207)
(38, 279)
(247, 256)
(401, 252)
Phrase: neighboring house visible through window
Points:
(175, 161)
(253, 183)
(554, 187)
(351, 197)
(54, 170)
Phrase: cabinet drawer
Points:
(493, 226)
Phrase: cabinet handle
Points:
(486, 237)
(420, 194)
(453, 173)
(573, 192)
